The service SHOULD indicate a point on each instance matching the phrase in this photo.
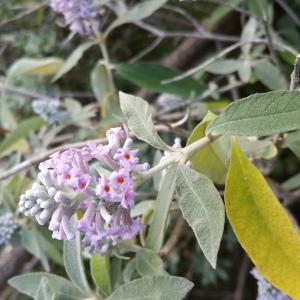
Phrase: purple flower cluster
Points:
(266, 291)
(68, 185)
(78, 14)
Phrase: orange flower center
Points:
(67, 176)
(120, 179)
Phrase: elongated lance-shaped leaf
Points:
(259, 115)
(30, 66)
(148, 263)
(164, 198)
(261, 225)
(269, 75)
(23, 129)
(150, 76)
(139, 120)
(100, 270)
(73, 59)
(202, 207)
(29, 284)
(73, 263)
(140, 11)
(153, 288)
(30, 240)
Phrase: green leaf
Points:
(129, 270)
(148, 263)
(213, 159)
(138, 12)
(44, 291)
(261, 224)
(164, 198)
(255, 7)
(292, 142)
(245, 70)
(139, 120)
(150, 76)
(153, 288)
(30, 66)
(24, 128)
(100, 271)
(248, 35)
(116, 272)
(269, 75)
(259, 115)
(29, 284)
(73, 59)
(73, 263)
(100, 83)
(52, 248)
(292, 183)
(30, 241)
(203, 209)
(225, 66)
(142, 208)
(257, 149)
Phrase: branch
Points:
(270, 42)
(206, 63)
(22, 92)
(242, 276)
(39, 158)
(173, 239)
(24, 13)
(295, 76)
(147, 50)
(199, 35)
(289, 11)
(11, 261)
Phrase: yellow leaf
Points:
(213, 159)
(261, 225)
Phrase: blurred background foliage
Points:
(203, 39)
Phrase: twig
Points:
(173, 239)
(147, 50)
(206, 63)
(187, 16)
(22, 92)
(23, 14)
(295, 76)
(289, 11)
(222, 90)
(39, 158)
(199, 35)
(232, 6)
(106, 59)
(11, 260)
(269, 36)
(243, 272)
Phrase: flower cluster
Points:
(8, 226)
(80, 15)
(266, 291)
(68, 184)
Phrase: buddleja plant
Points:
(86, 196)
